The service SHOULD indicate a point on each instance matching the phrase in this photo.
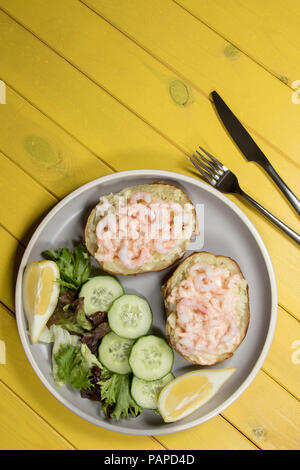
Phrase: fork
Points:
(221, 178)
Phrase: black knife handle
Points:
(282, 186)
(291, 233)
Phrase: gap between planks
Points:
(230, 42)
(173, 70)
(157, 58)
(121, 104)
(8, 85)
(36, 413)
(95, 83)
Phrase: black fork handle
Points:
(291, 233)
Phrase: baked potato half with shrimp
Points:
(207, 306)
(143, 228)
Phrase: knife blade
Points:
(249, 148)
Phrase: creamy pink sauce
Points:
(134, 231)
(206, 304)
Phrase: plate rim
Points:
(154, 173)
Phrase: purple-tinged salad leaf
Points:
(92, 339)
(98, 317)
(71, 316)
(94, 392)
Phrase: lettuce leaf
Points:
(71, 368)
(69, 365)
(89, 357)
(74, 267)
(117, 401)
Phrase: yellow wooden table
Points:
(96, 86)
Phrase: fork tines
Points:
(210, 168)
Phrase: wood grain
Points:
(12, 252)
(24, 201)
(100, 90)
(44, 150)
(267, 415)
(283, 360)
(21, 428)
(267, 32)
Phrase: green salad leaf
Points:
(116, 399)
(74, 267)
(71, 367)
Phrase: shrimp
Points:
(232, 333)
(139, 211)
(162, 247)
(128, 228)
(107, 224)
(177, 220)
(191, 305)
(103, 207)
(206, 306)
(140, 196)
(107, 242)
(128, 258)
(203, 283)
(186, 289)
(104, 256)
(201, 268)
(142, 223)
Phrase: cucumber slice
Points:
(151, 358)
(114, 352)
(99, 293)
(130, 316)
(145, 393)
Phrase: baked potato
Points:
(207, 306)
(128, 249)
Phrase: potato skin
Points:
(90, 246)
(167, 287)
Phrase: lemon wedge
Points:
(40, 295)
(185, 394)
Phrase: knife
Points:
(249, 148)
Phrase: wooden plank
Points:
(55, 91)
(11, 255)
(199, 55)
(283, 360)
(22, 429)
(203, 438)
(18, 375)
(267, 31)
(24, 201)
(267, 415)
(42, 149)
(67, 97)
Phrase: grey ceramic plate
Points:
(227, 231)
